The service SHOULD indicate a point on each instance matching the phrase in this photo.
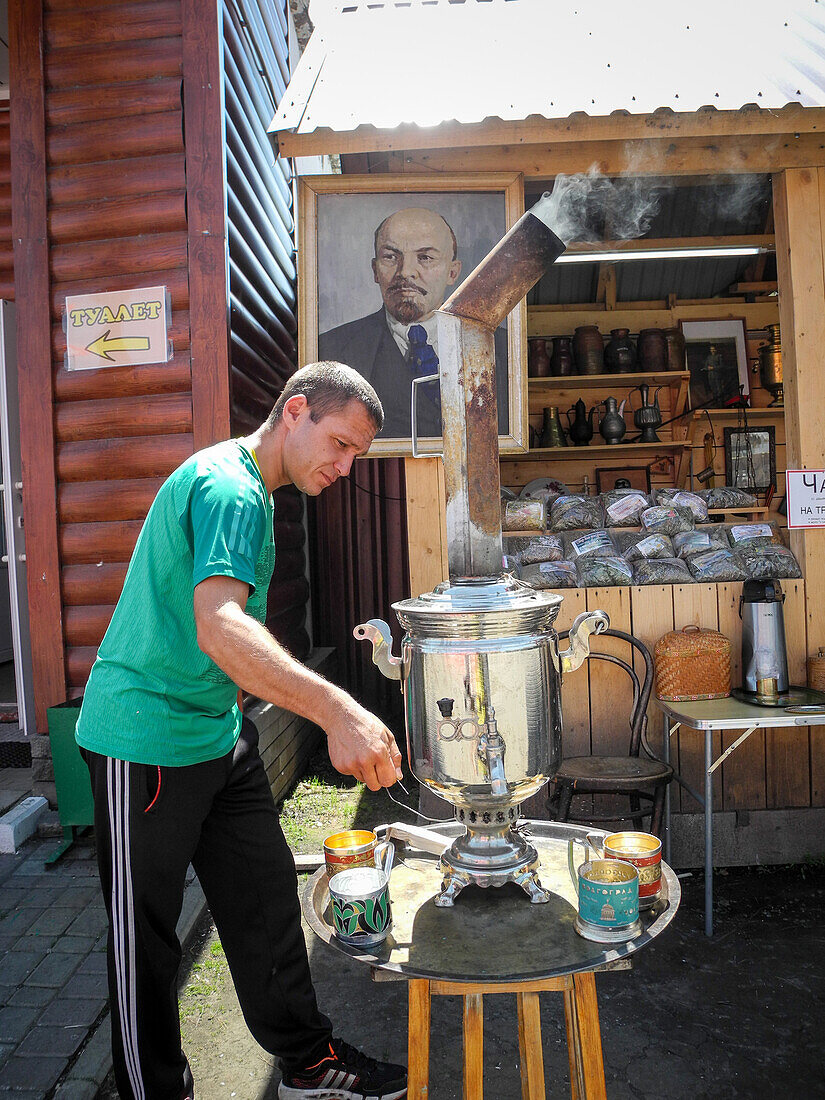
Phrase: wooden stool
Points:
(581, 1014)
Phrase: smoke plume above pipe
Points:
(591, 207)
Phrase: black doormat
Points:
(15, 754)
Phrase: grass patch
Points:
(206, 979)
(324, 802)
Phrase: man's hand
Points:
(361, 745)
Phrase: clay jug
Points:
(620, 353)
(675, 349)
(538, 361)
(588, 348)
(561, 361)
(612, 426)
(652, 350)
(581, 427)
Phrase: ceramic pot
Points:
(620, 353)
(561, 361)
(675, 349)
(652, 350)
(588, 348)
(538, 361)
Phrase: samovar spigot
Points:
(491, 749)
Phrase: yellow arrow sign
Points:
(103, 345)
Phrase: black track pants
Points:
(150, 824)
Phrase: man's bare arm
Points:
(359, 744)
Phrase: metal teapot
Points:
(649, 417)
(612, 426)
(580, 429)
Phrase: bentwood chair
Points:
(640, 775)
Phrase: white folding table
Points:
(722, 714)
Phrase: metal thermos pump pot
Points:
(764, 655)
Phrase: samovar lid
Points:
(480, 595)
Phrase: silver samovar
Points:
(480, 667)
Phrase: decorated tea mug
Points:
(353, 848)
(360, 903)
(643, 850)
(608, 892)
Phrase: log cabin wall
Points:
(6, 251)
(120, 179)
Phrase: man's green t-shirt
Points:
(153, 696)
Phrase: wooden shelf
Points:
(600, 381)
(777, 411)
(598, 450)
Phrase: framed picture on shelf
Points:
(750, 458)
(717, 359)
(638, 477)
(379, 255)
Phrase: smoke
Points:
(736, 202)
(591, 207)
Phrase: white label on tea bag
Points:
(649, 546)
(592, 542)
(626, 506)
(751, 531)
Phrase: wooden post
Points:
(473, 1046)
(34, 351)
(206, 205)
(418, 1033)
(426, 525)
(799, 211)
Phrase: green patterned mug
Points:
(360, 902)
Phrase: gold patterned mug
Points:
(643, 850)
(351, 848)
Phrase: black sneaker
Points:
(346, 1074)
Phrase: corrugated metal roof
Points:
(425, 62)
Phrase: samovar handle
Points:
(378, 632)
(589, 622)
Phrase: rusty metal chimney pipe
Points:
(466, 350)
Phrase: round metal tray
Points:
(792, 699)
(494, 934)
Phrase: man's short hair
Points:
(329, 387)
(384, 222)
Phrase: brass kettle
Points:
(770, 366)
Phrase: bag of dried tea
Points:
(671, 520)
(639, 545)
(623, 507)
(669, 497)
(523, 515)
(603, 572)
(540, 548)
(716, 566)
(550, 574)
(578, 544)
(768, 562)
(726, 496)
(710, 536)
(570, 512)
(753, 534)
(661, 571)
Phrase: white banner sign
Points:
(806, 498)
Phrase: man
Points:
(175, 769)
(415, 262)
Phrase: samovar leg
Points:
(451, 886)
(529, 881)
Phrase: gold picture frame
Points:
(338, 217)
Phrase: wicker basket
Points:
(692, 664)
